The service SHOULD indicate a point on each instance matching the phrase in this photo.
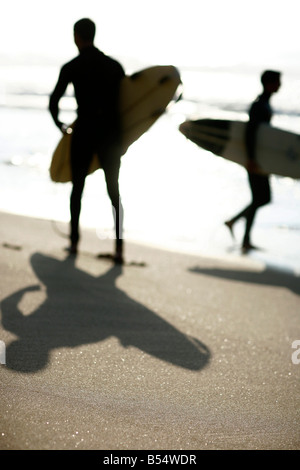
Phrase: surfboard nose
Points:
(184, 128)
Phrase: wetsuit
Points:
(260, 112)
(96, 79)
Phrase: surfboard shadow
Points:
(82, 309)
(269, 277)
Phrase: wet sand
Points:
(169, 351)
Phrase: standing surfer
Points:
(96, 80)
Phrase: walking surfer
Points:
(260, 112)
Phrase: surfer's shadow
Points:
(82, 309)
(269, 277)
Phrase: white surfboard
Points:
(278, 151)
(143, 99)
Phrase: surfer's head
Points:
(84, 32)
(270, 80)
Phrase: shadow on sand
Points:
(269, 277)
(83, 309)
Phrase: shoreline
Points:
(231, 254)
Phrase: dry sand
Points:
(170, 351)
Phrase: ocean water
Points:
(175, 195)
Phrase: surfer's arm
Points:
(55, 97)
(251, 133)
(251, 136)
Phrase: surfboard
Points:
(144, 97)
(278, 151)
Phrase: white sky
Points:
(186, 32)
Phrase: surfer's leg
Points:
(263, 191)
(261, 195)
(111, 167)
(75, 208)
(81, 155)
(243, 214)
(249, 222)
(260, 189)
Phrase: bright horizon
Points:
(191, 33)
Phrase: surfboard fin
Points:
(135, 75)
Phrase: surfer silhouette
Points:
(91, 309)
(96, 80)
(260, 112)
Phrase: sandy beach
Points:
(169, 351)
